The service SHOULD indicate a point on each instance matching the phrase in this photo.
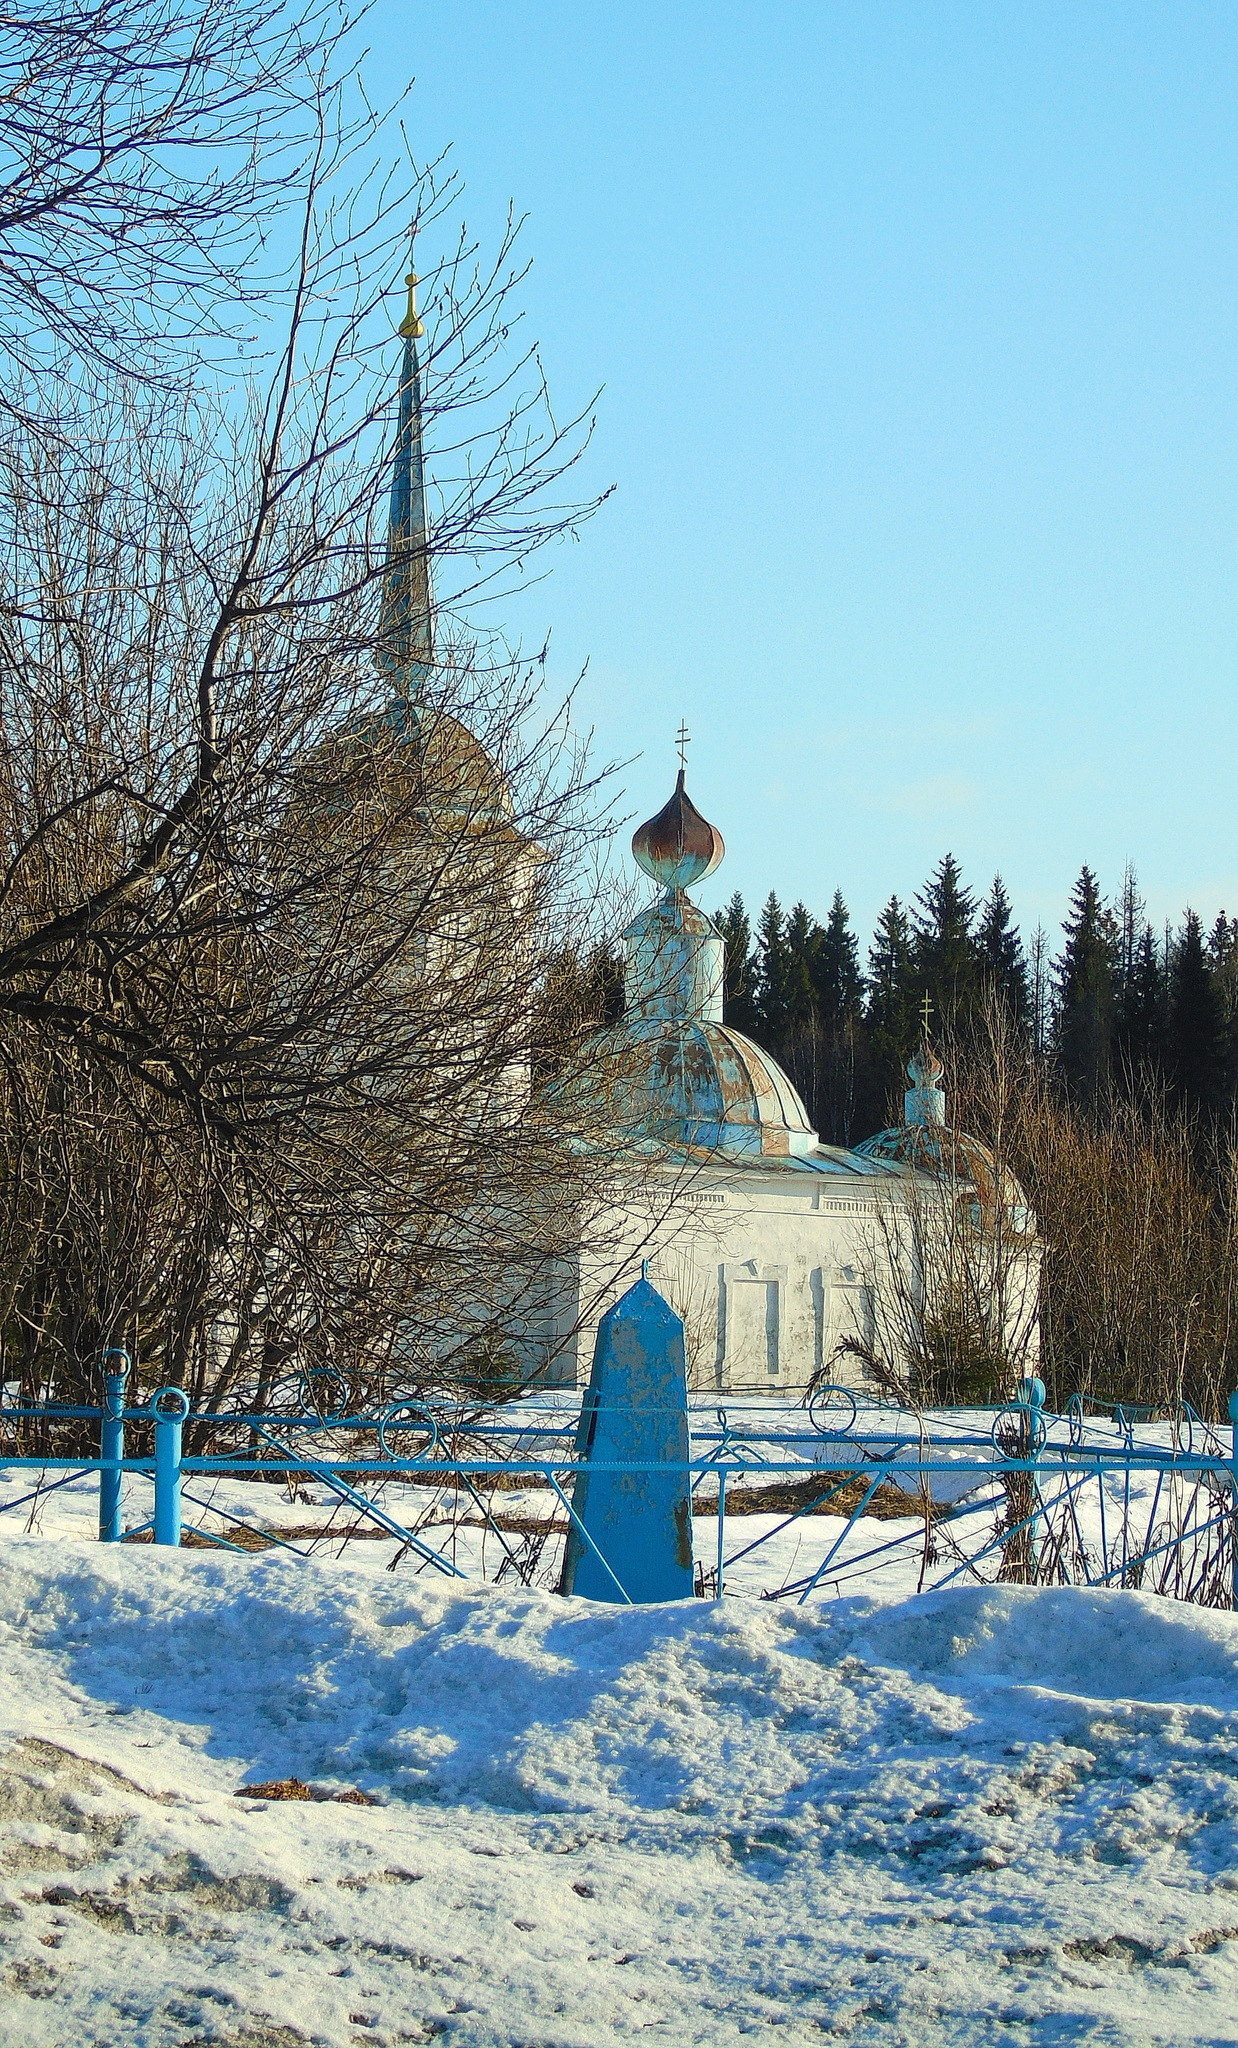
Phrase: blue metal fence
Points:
(805, 1506)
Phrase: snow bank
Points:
(988, 1816)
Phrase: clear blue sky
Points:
(917, 327)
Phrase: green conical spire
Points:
(406, 627)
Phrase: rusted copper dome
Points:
(690, 1081)
(679, 846)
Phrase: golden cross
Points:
(682, 740)
(410, 326)
(926, 1011)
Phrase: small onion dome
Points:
(925, 1102)
(985, 1188)
(679, 846)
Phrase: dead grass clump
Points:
(296, 1788)
(826, 1493)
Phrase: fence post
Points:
(116, 1365)
(1233, 1481)
(169, 1409)
(630, 1536)
(1032, 1397)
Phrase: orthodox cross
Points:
(410, 327)
(682, 740)
(926, 1012)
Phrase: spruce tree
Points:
(801, 939)
(891, 977)
(1039, 1000)
(1003, 963)
(1131, 923)
(891, 1017)
(773, 962)
(1083, 974)
(838, 982)
(1196, 1047)
(738, 1002)
(1141, 1008)
(1223, 960)
(945, 951)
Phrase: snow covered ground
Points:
(984, 1816)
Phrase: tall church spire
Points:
(406, 627)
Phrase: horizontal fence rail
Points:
(839, 1498)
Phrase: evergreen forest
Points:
(1117, 1008)
(1103, 1073)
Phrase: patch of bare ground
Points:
(296, 1788)
(826, 1493)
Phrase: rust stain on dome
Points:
(678, 846)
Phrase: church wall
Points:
(768, 1271)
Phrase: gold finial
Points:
(926, 1012)
(410, 326)
(682, 740)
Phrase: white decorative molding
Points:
(740, 1276)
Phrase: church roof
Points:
(926, 1144)
(407, 752)
(696, 1082)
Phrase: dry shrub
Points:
(1135, 1205)
(1138, 1224)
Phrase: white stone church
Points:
(779, 1252)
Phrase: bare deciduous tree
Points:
(954, 1267)
(275, 915)
(145, 151)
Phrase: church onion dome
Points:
(695, 1082)
(674, 1073)
(926, 1144)
(678, 847)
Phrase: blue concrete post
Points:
(112, 1443)
(631, 1533)
(169, 1408)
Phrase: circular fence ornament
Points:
(832, 1410)
(1019, 1430)
(170, 1404)
(416, 1420)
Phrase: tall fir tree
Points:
(1223, 960)
(739, 988)
(1002, 961)
(1040, 993)
(1196, 1040)
(1132, 920)
(1083, 974)
(839, 984)
(1141, 1009)
(891, 978)
(773, 968)
(891, 1016)
(801, 938)
(945, 951)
